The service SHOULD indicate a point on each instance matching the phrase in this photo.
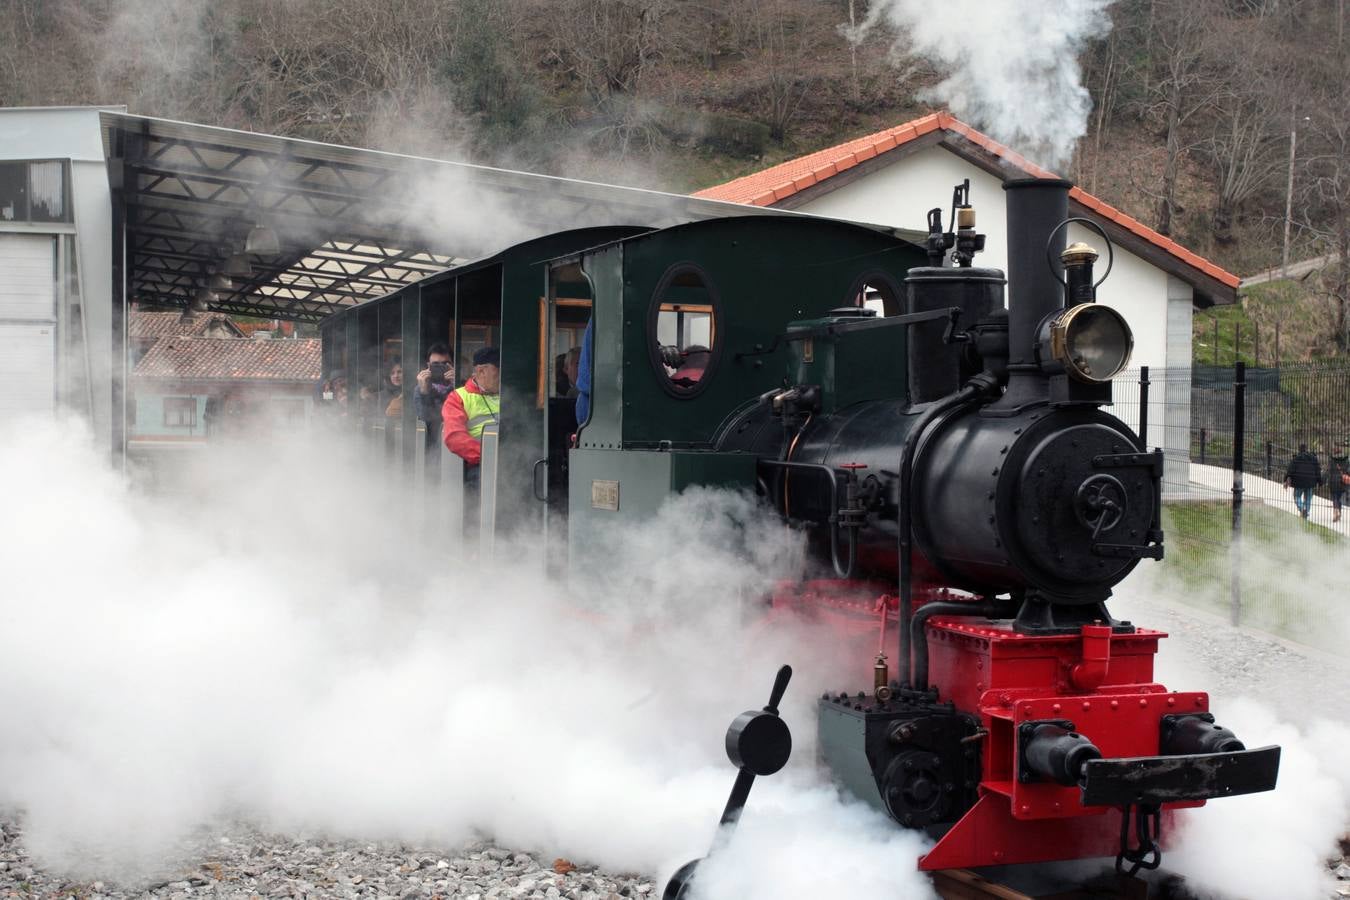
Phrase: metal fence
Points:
(1235, 542)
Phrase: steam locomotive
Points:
(1026, 724)
(950, 458)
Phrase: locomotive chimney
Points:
(1036, 208)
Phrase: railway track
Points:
(966, 884)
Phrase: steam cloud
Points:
(1011, 67)
(1271, 844)
(275, 648)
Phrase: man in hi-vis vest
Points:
(468, 409)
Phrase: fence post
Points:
(1203, 435)
(1216, 342)
(1235, 545)
(1143, 409)
(1269, 447)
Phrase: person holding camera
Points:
(434, 384)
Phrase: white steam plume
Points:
(1010, 68)
(1270, 844)
(276, 648)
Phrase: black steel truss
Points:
(343, 217)
(343, 236)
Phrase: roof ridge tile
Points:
(779, 182)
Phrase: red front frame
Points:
(1099, 680)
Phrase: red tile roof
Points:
(167, 324)
(231, 359)
(251, 328)
(775, 184)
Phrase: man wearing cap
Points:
(1339, 478)
(468, 409)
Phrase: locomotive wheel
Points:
(914, 789)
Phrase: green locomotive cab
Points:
(688, 328)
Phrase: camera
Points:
(438, 371)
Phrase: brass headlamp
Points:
(1090, 342)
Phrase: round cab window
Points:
(877, 292)
(682, 330)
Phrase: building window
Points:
(34, 191)
(180, 412)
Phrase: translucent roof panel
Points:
(349, 224)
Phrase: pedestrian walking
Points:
(1304, 474)
(1338, 478)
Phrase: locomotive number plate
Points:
(605, 495)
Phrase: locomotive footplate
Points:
(1154, 780)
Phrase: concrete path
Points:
(1300, 269)
(1215, 482)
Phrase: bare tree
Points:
(781, 35)
(612, 51)
(1183, 87)
(1109, 68)
(346, 70)
(609, 48)
(1326, 179)
(1246, 142)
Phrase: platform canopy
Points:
(332, 225)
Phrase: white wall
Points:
(1156, 305)
(901, 195)
(73, 133)
(93, 222)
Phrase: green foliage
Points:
(1222, 336)
(1303, 318)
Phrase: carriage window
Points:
(684, 325)
(682, 330)
(877, 293)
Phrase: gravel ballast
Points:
(248, 863)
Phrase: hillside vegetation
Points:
(1277, 323)
(1193, 102)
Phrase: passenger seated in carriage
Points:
(686, 367)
